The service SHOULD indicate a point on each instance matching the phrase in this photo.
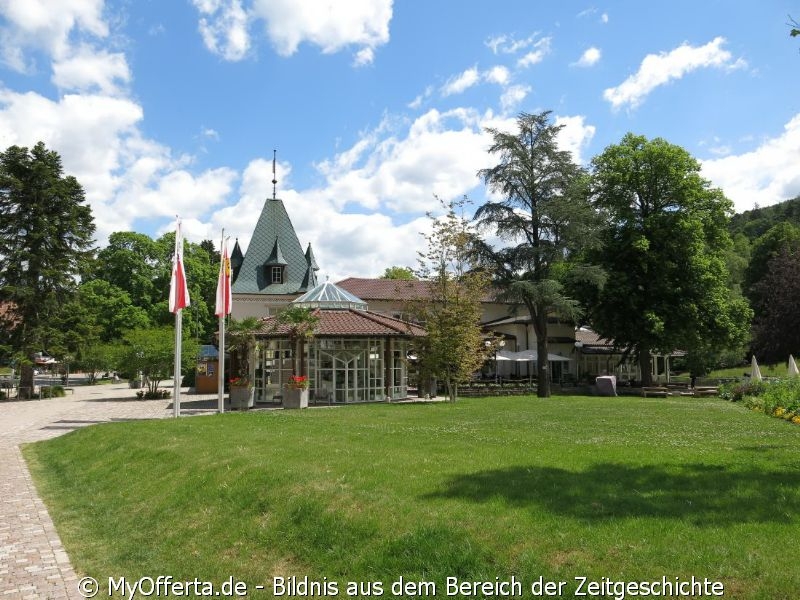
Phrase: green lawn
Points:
(627, 488)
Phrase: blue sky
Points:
(164, 108)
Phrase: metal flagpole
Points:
(221, 362)
(176, 389)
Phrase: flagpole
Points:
(176, 389)
(178, 300)
(221, 365)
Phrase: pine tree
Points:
(46, 231)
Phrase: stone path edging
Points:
(33, 562)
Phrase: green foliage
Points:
(783, 237)
(546, 219)
(240, 339)
(153, 394)
(99, 357)
(664, 251)
(141, 268)
(454, 347)
(46, 230)
(776, 331)
(401, 273)
(151, 352)
(737, 391)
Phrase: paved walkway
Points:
(33, 563)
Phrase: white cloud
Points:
(763, 176)
(507, 44)
(513, 95)
(224, 27)
(365, 56)
(498, 74)
(575, 135)
(541, 49)
(417, 102)
(462, 82)
(89, 69)
(590, 57)
(331, 26)
(659, 69)
(439, 153)
(47, 25)
(604, 18)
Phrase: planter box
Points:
(295, 398)
(241, 397)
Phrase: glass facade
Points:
(340, 370)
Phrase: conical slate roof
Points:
(328, 295)
(237, 258)
(274, 243)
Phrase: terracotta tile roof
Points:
(392, 289)
(385, 289)
(349, 322)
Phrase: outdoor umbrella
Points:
(755, 372)
(793, 372)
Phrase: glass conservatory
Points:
(355, 355)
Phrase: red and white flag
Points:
(178, 291)
(224, 282)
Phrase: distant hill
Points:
(756, 222)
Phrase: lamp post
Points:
(578, 348)
(500, 344)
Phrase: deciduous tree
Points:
(454, 347)
(664, 251)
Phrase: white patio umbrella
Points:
(793, 372)
(755, 372)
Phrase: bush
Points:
(783, 394)
(735, 392)
(156, 395)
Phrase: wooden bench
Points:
(706, 391)
(662, 392)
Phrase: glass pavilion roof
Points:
(329, 295)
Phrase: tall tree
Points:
(46, 231)
(779, 238)
(545, 217)
(454, 347)
(664, 252)
(776, 331)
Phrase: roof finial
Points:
(274, 180)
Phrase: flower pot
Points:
(293, 398)
(241, 397)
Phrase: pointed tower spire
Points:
(274, 179)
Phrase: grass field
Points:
(625, 488)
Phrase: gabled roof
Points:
(396, 289)
(385, 289)
(273, 234)
(348, 322)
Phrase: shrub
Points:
(153, 395)
(735, 392)
(782, 396)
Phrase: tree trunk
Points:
(542, 365)
(644, 367)
(26, 381)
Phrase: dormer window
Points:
(276, 274)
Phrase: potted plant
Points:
(295, 394)
(242, 345)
